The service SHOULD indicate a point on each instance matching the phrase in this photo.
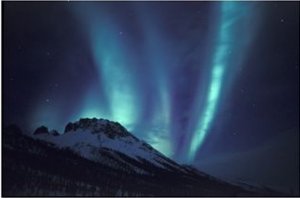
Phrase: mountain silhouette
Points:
(97, 157)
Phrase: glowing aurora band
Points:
(123, 90)
(231, 12)
(113, 61)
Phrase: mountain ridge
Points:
(90, 135)
(112, 163)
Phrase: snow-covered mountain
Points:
(97, 157)
(90, 137)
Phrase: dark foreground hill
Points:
(99, 158)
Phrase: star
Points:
(282, 20)
(47, 100)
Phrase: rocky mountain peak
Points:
(111, 129)
(41, 130)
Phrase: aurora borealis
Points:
(118, 65)
(230, 12)
(196, 80)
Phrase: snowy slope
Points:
(117, 160)
(88, 137)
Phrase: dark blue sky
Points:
(195, 79)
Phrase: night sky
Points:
(206, 83)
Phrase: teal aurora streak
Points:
(143, 98)
(232, 13)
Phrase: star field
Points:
(194, 79)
